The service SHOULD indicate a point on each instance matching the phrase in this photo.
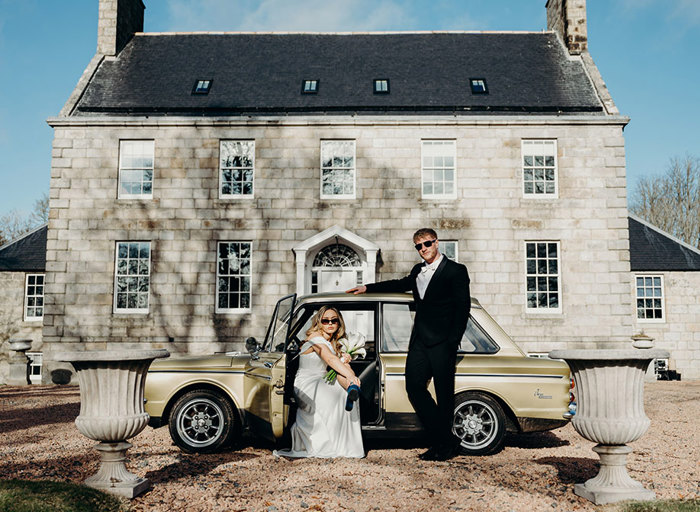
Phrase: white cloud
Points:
(688, 10)
(286, 15)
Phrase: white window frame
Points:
(34, 296)
(124, 195)
(241, 195)
(116, 309)
(455, 243)
(249, 275)
(662, 297)
(353, 195)
(532, 143)
(558, 275)
(36, 360)
(429, 148)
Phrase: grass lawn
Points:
(662, 506)
(45, 496)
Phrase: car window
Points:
(397, 322)
(358, 318)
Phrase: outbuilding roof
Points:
(259, 73)
(651, 249)
(26, 254)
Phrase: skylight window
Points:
(479, 86)
(381, 86)
(202, 87)
(309, 87)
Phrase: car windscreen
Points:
(397, 322)
(359, 318)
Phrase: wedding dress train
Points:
(323, 428)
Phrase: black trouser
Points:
(436, 362)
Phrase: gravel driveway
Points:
(534, 472)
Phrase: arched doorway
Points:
(334, 260)
(336, 267)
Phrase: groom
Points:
(441, 293)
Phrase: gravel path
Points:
(534, 472)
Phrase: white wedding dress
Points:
(323, 428)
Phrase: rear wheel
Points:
(480, 424)
(202, 421)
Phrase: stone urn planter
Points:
(609, 388)
(111, 411)
(19, 363)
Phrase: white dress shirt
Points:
(426, 274)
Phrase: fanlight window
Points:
(337, 255)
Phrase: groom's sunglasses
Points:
(427, 243)
(326, 321)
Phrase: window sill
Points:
(243, 311)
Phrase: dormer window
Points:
(381, 86)
(202, 87)
(309, 87)
(478, 86)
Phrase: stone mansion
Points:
(199, 177)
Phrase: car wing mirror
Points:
(253, 347)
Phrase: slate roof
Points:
(263, 73)
(654, 250)
(26, 254)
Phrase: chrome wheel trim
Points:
(200, 422)
(475, 423)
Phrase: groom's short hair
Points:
(424, 232)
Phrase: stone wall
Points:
(680, 332)
(490, 219)
(12, 324)
(117, 22)
(568, 19)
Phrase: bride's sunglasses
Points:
(427, 243)
(326, 321)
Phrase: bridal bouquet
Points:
(354, 346)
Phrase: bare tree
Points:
(15, 223)
(672, 201)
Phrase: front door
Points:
(265, 376)
(336, 279)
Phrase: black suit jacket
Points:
(443, 312)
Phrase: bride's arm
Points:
(334, 362)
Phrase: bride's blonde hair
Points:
(316, 326)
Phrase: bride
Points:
(327, 425)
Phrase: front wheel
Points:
(202, 421)
(480, 424)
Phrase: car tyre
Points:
(202, 421)
(480, 424)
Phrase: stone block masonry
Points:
(490, 219)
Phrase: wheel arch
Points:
(512, 423)
(191, 386)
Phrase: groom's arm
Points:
(405, 284)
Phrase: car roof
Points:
(364, 297)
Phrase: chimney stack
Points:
(118, 20)
(568, 19)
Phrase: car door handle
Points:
(279, 387)
(267, 364)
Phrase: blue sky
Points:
(646, 50)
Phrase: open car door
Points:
(265, 375)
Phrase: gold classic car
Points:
(208, 401)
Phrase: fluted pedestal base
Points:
(113, 477)
(612, 483)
